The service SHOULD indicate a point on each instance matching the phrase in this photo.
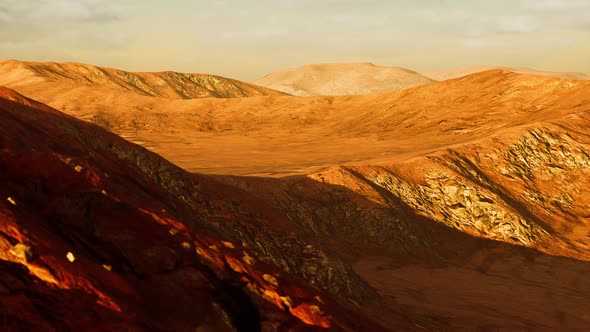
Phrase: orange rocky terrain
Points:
(98, 234)
(76, 79)
(335, 79)
(458, 205)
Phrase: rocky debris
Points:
(22, 252)
(71, 258)
(27, 303)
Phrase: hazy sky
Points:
(248, 39)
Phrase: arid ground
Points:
(452, 201)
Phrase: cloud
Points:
(517, 44)
(71, 39)
(551, 5)
(443, 15)
(571, 14)
(42, 11)
(500, 25)
(472, 25)
(82, 10)
(516, 24)
(41, 21)
(95, 40)
(4, 17)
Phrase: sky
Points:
(249, 39)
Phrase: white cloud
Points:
(4, 17)
(66, 22)
(37, 11)
(72, 39)
(473, 25)
(517, 44)
(95, 40)
(443, 15)
(500, 25)
(550, 5)
(516, 24)
(82, 10)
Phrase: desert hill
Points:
(334, 79)
(443, 75)
(458, 205)
(95, 235)
(283, 135)
(78, 79)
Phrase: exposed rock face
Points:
(143, 258)
(460, 204)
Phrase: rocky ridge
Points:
(24, 76)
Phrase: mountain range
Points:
(452, 205)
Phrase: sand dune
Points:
(336, 79)
(442, 75)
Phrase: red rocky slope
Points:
(90, 240)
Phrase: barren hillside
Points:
(45, 79)
(335, 79)
(458, 205)
(99, 234)
(282, 135)
(443, 75)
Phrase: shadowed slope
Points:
(88, 215)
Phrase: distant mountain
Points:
(48, 78)
(335, 79)
(443, 75)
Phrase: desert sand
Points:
(336, 79)
(457, 205)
